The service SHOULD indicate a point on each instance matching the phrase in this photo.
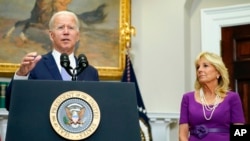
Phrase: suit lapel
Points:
(51, 64)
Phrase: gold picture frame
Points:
(110, 69)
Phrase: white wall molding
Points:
(160, 125)
(213, 19)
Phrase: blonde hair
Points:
(219, 65)
(52, 19)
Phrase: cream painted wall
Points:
(158, 52)
(163, 50)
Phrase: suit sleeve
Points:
(8, 95)
(237, 114)
(184, 110)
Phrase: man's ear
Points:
(51, 35)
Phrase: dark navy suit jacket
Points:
(46, 69)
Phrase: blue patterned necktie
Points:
(65, 75)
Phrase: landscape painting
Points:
(24, 28)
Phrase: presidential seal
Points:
(75, 115)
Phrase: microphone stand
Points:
(65, 63)
(74, 75)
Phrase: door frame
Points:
(212, 19)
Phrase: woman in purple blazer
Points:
(207, 113)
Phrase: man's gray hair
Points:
(52, 19)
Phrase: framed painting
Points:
(23, 29)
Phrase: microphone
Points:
(82, 63)
(65, 63)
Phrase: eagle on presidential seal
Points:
(74, 115)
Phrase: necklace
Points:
(207, 107)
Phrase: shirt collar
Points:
(57, 56)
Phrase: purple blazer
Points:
(227, 112)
